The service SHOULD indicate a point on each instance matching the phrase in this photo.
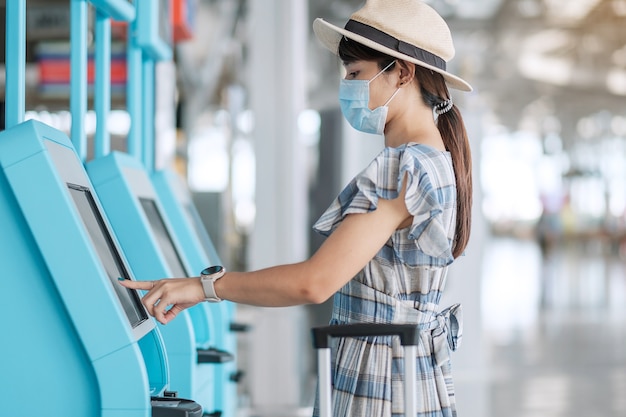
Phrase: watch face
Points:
(212, 270)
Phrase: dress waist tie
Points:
(445, 327)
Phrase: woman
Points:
(392, 232)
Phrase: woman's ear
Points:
(406, 74)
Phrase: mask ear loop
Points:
(392, 96)
(382, 70)
(397, 90)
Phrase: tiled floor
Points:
(558, 345)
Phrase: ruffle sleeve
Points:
(430, 198)
(359, 196)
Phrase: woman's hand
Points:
(168, 297)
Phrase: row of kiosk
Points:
(75, 342)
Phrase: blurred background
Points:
(247, 112)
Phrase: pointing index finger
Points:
(136, 285)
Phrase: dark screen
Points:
(163, 238)
(108, 254)
(199, 226)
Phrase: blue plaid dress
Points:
(403, 283)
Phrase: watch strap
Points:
(208, 283)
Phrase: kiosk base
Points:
(175, 407)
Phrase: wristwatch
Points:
(208, 276)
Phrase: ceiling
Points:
(464, 9)
(571, 54)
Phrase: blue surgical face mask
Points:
(354, 98)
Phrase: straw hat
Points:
(405, 29)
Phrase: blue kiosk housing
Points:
(153, 251)
(134, 210)
(62, 259)
(80, 342)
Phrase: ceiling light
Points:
(616, 81)
(538, 60)
(557, 71)
(619, 57)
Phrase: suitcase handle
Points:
(409, 333)
(409, 338)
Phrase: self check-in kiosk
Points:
(136, 216)
(182, 214)
(153, 251)
(78, 344)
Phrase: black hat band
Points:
(390, 42)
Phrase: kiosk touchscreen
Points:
(81, 344)
(206, 317)
(110, 258)
(182, 214)
(132, 206)
(163, 237)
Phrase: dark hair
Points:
(434, 91)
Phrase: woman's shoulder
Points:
(416, 158)
(413, 150)
(423, 152)
(436, 163)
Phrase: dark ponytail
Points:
(450, 124)
(455, 139)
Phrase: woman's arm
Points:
(342, 255)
